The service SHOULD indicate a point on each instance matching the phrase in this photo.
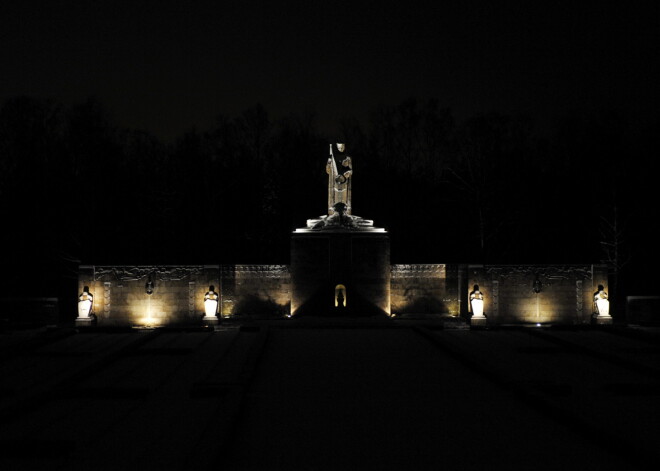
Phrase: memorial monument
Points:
(340, 266)
(339, 249)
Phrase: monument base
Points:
(478, 322)
(84, 322)
(213, 320)
(340, 272)
(604, 320)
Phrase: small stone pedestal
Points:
(210, 320)
(479, 322)
(84, 322)
(604, 320)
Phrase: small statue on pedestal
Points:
(601, 303)
(85, 304)
(211, 302)
(86, 316)
(477, 302)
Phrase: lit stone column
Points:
(477, 305)
(211, 299)
(602, 306)
(85, 305)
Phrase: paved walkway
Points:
(328, 395)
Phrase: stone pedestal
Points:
(604, 320)
(358, 260)
(478, 322)
(210, 320)
(84, 322)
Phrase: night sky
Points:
(168, 67)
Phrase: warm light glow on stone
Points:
(538, 310)
(148, 320)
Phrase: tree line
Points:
(75, 187)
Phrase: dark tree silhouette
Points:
(490, 177)
(78, 188)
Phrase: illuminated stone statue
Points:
(477, 302)
(211, 303)
(85, 303)
(601, 302)
(340, 215)
(339, 169)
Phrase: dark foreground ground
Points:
(330, 395)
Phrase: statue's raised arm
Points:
(340, 170)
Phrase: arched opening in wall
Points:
(340, 296)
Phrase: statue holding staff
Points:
(339, 169)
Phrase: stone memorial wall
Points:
(255, 290)
(120, 296)
(537, 294)
(513, 294)
(424, 289)
(340, 266)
